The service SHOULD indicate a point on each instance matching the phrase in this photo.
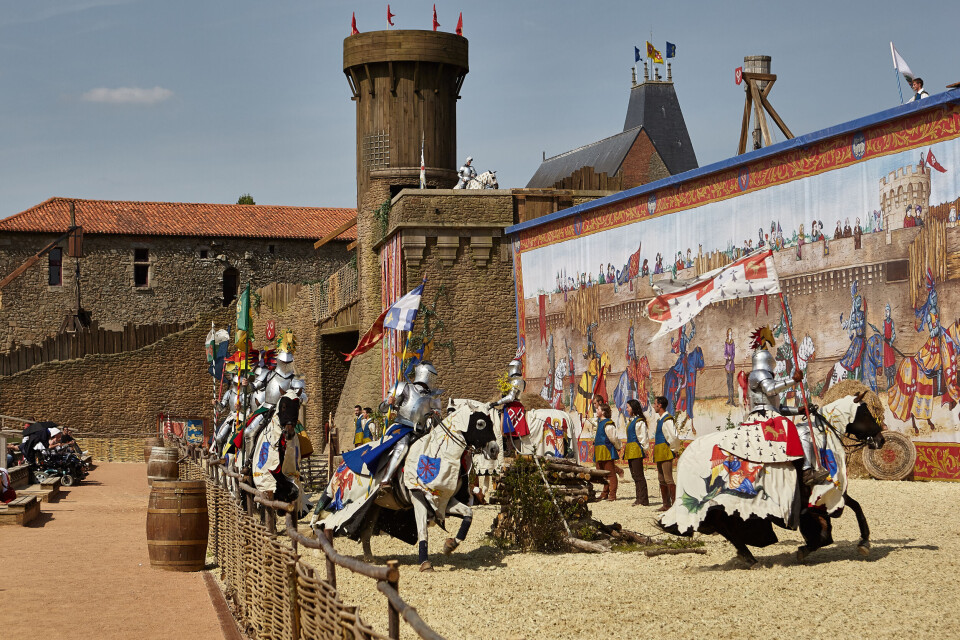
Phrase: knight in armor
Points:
(235, 402)
(517, 385)
(269, 387)
(466, 173)
(764, 391)
(416, 405)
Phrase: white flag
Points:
(750, 276)
(404, 311)
(423, 168)
(900, 64)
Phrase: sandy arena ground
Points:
(909, 586)
(82, 571)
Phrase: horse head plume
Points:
(859, 397)
(761, 338)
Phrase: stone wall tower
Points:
(909, 185)
(406, 85)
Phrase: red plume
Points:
(435, 23)
(460, 25)
(353, 25)
(390, 16)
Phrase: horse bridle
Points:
(861, 442)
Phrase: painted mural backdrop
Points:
(866, 243)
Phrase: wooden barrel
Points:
(163, 464)
(149, 444)
(177, 525)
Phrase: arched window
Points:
(231, 278)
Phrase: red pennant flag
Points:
(353, 25)
(390, 16)
(460, 25)
(600, 386)
(370, 338)
(435, 23)
(932, 161)
(738, 75)
(766, 310)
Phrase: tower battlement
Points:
(907, 186)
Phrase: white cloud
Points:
(127, 95)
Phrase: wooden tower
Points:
(759, 81)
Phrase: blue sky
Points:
(203, 100)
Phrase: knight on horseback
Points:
(466, 173)
(763, 390)
(517, 385)
(415, 404)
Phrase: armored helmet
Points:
(469, 159)
(284, 356)
(763, 361)
(514, 368)
(425, 374)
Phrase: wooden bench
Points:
(21, 511)
(47, 489)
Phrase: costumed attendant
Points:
(369, 425)
(605, 446)
(665, 445)
(633, 452)
(358, 426)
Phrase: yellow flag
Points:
(653, 54)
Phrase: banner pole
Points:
(896, 72)
(803, 392)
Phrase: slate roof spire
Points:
(654, 106)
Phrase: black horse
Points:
(814, 523)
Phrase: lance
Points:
(900, 353)
(803, 393)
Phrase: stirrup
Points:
(813, 477)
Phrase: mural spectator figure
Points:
(918, 91)
(952, 218)
(889, 355)
(839, 232)
(877, 221)
(908, 220)
(801, 240)
(729, 353)
(658, 264)
(645, 269)
(680, 263)
(847, 230)
(572, 373)
(857, 235)
(689, 258)
(760, 242)
(917, 218)
(856, 326)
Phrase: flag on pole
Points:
(244, 323)
(390, 17)
(460, 25)
(653, 54)
(636, 54)
(423, 166)
(210, 341)
(671, 50)
(400, 315)
(900, 64)
(353, 25)
(932, 161)
(435, 23)
(752, 275)
(738, 75)
(404, 311)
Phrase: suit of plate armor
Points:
(517, 385)
(764, 391)
(227, 408)
(466, 173)
(269, 387)
(414, 403)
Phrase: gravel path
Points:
(909, 586)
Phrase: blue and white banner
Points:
(404, 311)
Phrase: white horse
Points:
(431, 486)
(486, 180)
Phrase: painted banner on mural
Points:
(862, 232)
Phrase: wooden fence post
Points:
(331, 568)
(393, 629)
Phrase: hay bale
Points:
(851, 388)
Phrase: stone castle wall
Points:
(181, 283)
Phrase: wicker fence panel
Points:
(276, 596)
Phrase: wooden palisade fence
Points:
(277, 595)
(68, 346)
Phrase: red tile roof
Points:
(183, 219)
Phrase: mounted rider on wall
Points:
(466, 173)
(763, 391)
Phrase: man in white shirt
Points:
(918, 90)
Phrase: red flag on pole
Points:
(353, 25)
(435, 23)
(738, 75)
(460, 25)
(390, 16)
(370, 338)
(932, 161)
